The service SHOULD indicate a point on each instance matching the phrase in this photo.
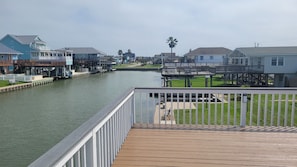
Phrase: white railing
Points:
(17, 77)
(217, 108)
(97, 142)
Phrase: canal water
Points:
(35, 119)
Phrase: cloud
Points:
(143, 26)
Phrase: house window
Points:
(280, 61)
(259, 61)
(246, 62)
(273, 61)
(201, 57)
(211, 57)
(277, 61)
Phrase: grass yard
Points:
(150, 66)
(199, 81)
(6, 83)
(121, 66)
(137, 66)
(274, 113)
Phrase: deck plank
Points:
(164, 147)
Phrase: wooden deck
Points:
(173, 148)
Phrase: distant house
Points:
(279, 61)
(86, 58)
(36, 56)
(209, 56)
(166, 58)
(7, 56)
(29, 45)
(128, 57)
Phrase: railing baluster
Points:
(293, 111)
(190, 110)
(251, 109)
(84, 156)
(279, 110)
(265, 110)
(100, 147)
(141, 109)
(147, 111)
(209, 110)
(184, 110)
(216, 110)
(71, 162)
(222, 109)
(196, 116)
(272, 109)
(286, 110)
(78, 160)
(259, 110)
(178, 111)
(228, 115)
(170, 114)
(235, 110)
(203, 110)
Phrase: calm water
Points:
(33, 120)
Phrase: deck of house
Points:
(185, 127)
(163, 147)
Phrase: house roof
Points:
(6, 50)
(209, 51)
(84, 50)
(26, 39)
(268, 51)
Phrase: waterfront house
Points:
(208, 56)
(128, 57)
(165, 58)
(7, 56)
(86, 59)
(279, 62)
(37, 58)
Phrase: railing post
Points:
(243, 110)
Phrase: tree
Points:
(172, 42)
(120, 52)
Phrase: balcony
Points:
(185, 127)
(6, 63)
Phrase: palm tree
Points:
(172, 42)
(120, 52)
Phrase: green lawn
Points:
(121, 66)
(199, 81)
(6, 83)
(150, 66)
(214, 116)
(137, 66)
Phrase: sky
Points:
(143, 26)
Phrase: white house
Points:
(279, 61)
(209, 56)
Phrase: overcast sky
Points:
(144, 25)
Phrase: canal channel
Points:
(35, 119)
